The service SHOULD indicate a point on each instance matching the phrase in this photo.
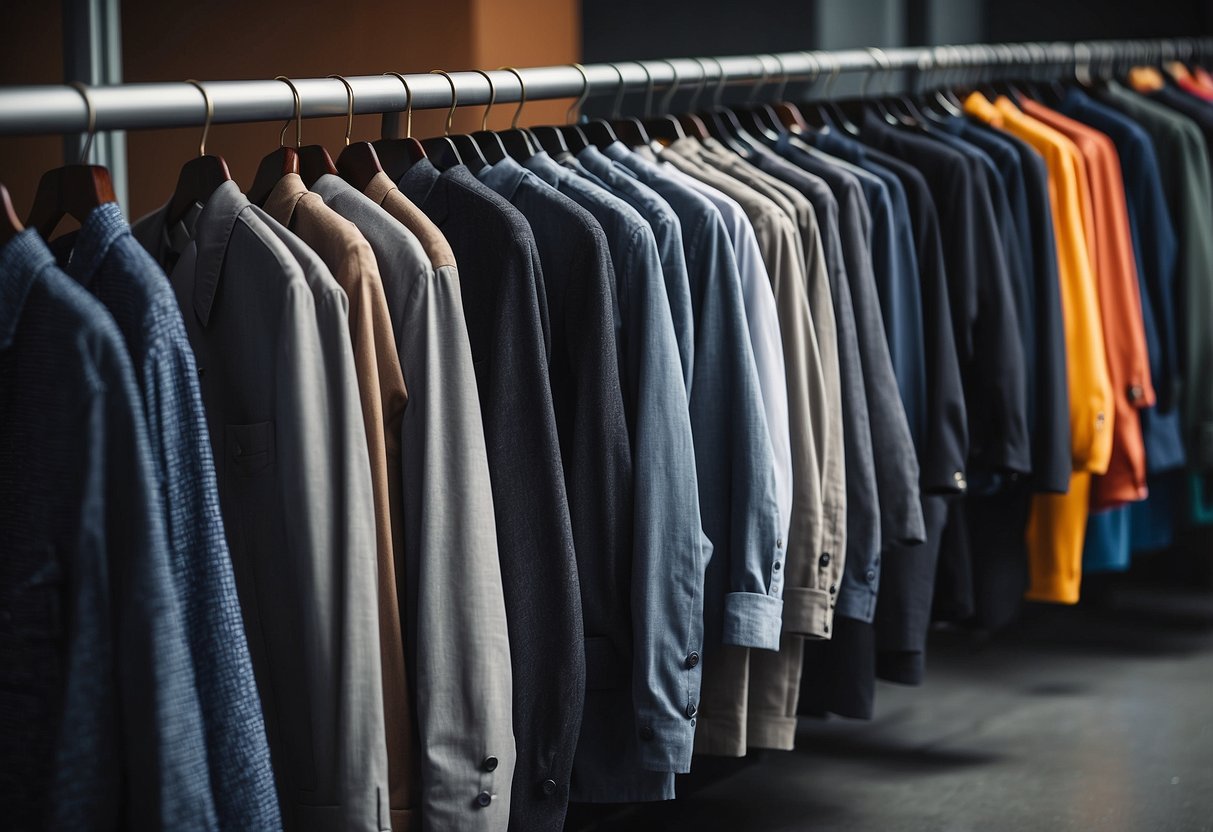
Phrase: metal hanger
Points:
(71, 190)
(599, 130)
(722, 122)
(574, 136)
(200, 176)
(397, 155)
(692, 124)
(786, 113)
(518, 142)
(873, 101)
(838, 118)
(630, 130)
(552, 138)
(442, 151)
(284, 160)
(755, 117)
(468, 148)
(315, 161)
(663, 127)
(488, 142)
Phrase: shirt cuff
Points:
(808, 611)
(666, 742)
(752, 620)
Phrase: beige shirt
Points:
(383, 397)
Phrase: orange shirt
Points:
(1057, 526)
(1120, 308)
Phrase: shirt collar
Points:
(284, 198)
(504, 177)
(543, 166)
(379, 187)
(212, 232)
(981, 107)
(101, 229)
(22, 260)
(418, 182)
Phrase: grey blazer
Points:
(456, 645)
(294, 484)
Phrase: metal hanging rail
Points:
(28, 110)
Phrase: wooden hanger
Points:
(199, 177)
(10, 226)
(441, 149)
(629, 130)
(598, 131)
(314, 159)
(518, 142)
(574, 137)
(283, 161)
(397, 155)
(358, 163)
(488, 143)
(664, 128)
(467, 148)
(71, 190)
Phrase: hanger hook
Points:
(349, 115)
(882, 66)
(297, 118)
(835, 69)
(617, 105)
(408, 104)
(521, 95)
(814, 71)
(585, 93)
(784, 77)
(718, 90)
(82, 88)
(762, 82)
(484, 119)
(210, 111)
(700, 87)
(668, 99)
(450, 114)
(648, 90)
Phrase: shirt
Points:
(97, 690)
(107, 261)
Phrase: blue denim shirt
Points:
(670, 552)
(667, 231)
(97, 690)
(107, 261)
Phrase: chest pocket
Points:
(250, 449)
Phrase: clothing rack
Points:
(56, 108)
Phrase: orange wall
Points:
(234, 39)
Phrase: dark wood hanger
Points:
(200, 176)
(358, 164)
(72, 190)
(315, 162)
(790, 116)
(574, 137)
(397, 155)
(550, 139)
(442, 152)
(517, 144)
(470, 152)
(281, 162)
(10, 226)
(599, 132)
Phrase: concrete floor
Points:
(1095, 718)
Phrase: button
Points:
(646, 732)
(692, 659)
(870, 575)
(833, 589)
(959, 477)
(692, 723)
(484, 799)
(1136, 393)
(824, 560)
(201, 372)
(779, 543)
(490, 764)
(1100, 420)
(548, 786)
(777, 566)
(692, 710)
(826, 629)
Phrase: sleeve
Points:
(325, 474)
(239, 755)
(1196, 259)
(160, 730)
(670, 552)
(459, 643)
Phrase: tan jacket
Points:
(382, 393)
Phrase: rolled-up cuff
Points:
(807, 612)
(752, 620)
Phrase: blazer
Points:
(1120, 310)
(505, 302)
(277, 377)
(382, 396)
(107, 261)
(1057, 521)
(669, 550)
(103, 727)
(457, 654)
(578, 279)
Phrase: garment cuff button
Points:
(490, 764)
(484, 799)
(549, 787)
